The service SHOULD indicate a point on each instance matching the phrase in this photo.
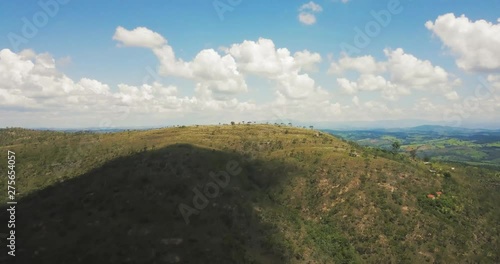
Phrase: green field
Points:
(477, 147)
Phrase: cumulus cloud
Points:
(307, 13)
(258, 57)
(307, 60)
(30, 82)
(363, 64)
(307, 18)
(408, 70)
(217, 73)
(139, 37)
(396, 76)
(208, 68)
(263, 59)
(220, 76)
(452, 95)
(476, 44)
(347, 86)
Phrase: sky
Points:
(117, 63)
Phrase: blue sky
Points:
(428, 62)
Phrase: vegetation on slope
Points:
(301, 196)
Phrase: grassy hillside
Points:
(292, 196)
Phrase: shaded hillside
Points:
(301, 196)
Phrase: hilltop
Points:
(243, 194)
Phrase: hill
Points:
(242, 194)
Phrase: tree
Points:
(395, 147)
(232, 123)
(311, 127)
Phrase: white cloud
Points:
(257, 57)
(307, 60)
(398, 75)
(355, 100)
(452, 95)
(494, 81)
(170, 65)
(31, 83)
(408, 70)
(363, 64)
(306, 15)
(311, 6)
(307, 18)
(208, 68)
(219, 76)
(370, 82)
(476, 44)
(94, 86)
(263, 59)
(347, 86)
(139, 37)
(295, 85)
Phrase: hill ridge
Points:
(302, 196)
